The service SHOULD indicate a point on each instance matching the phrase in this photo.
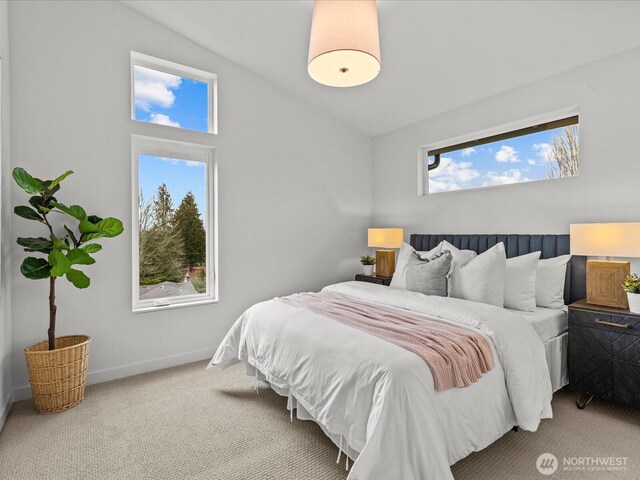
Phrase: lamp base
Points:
(604, 283)
(385, 263)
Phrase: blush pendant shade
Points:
(344, 49)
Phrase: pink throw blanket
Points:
(456, 356)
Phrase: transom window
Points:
(166, 93)
(543, 151)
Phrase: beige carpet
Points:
(191, 423)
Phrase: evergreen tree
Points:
(163, 209)
(188, 224)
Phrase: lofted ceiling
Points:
(436, 55)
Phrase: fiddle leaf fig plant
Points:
(65, 247)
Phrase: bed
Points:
(377, 401)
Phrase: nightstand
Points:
(604, 354)
(373, 279)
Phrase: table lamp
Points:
(605, 277)
(386, 239)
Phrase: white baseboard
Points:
(105, 375)
(6, 406)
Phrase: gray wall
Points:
(606, 191)
(294, 196)
(5, 219)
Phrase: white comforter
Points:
(379, 397)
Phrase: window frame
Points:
(160, 147)
(505, 129)
(165, 66)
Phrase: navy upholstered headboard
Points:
(575, 287)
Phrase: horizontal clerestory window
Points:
(543, 151)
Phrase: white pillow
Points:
(481, 278)
(463, 255)
(520, 282)
(550, 276)
(399, 279)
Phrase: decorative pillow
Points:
(480, 278)
(461, 255)
(550, 276)
(520, 282)
(430, 277)
(400, 274)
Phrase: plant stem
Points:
(52, 313)
(52, 299)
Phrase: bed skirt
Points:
(301, 413)
(556, 350)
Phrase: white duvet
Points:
(379, 397)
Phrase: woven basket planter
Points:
(58, 377)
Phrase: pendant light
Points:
(344, 49)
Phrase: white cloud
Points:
(531, 162)
(505, 177)
(435, 186)
(177, 161)
(451, 175)
(162, 119)
(543, 151)
(153, 88)
(507, 154)
(468, 151)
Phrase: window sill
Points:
(171, 306)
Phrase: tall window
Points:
(543, 151)
(173, 223)
(166, 93)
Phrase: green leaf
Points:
(40, 204)
(59, 179)
(94, 218)
(92, 247)
(35, 268)
(35, 244)
(76, 211)
(79, 279)
(108, 227)
(71, 235)
(27, 182)
(60, 264)
(58, 244)
(27, 212)
(87, 227)
(77, 256)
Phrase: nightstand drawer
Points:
(605, 321)
(629, 325)
(373, 279)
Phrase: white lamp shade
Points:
(605, 239)
(344, 49)
(385, 237)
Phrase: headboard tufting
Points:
(575, 286)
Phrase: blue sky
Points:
(520, 159)
(167, 99)
(180, 176)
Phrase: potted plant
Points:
(367, 262)
(631, 285)
(58, 366)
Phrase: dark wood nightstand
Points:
(373, 279)
(604, 353)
